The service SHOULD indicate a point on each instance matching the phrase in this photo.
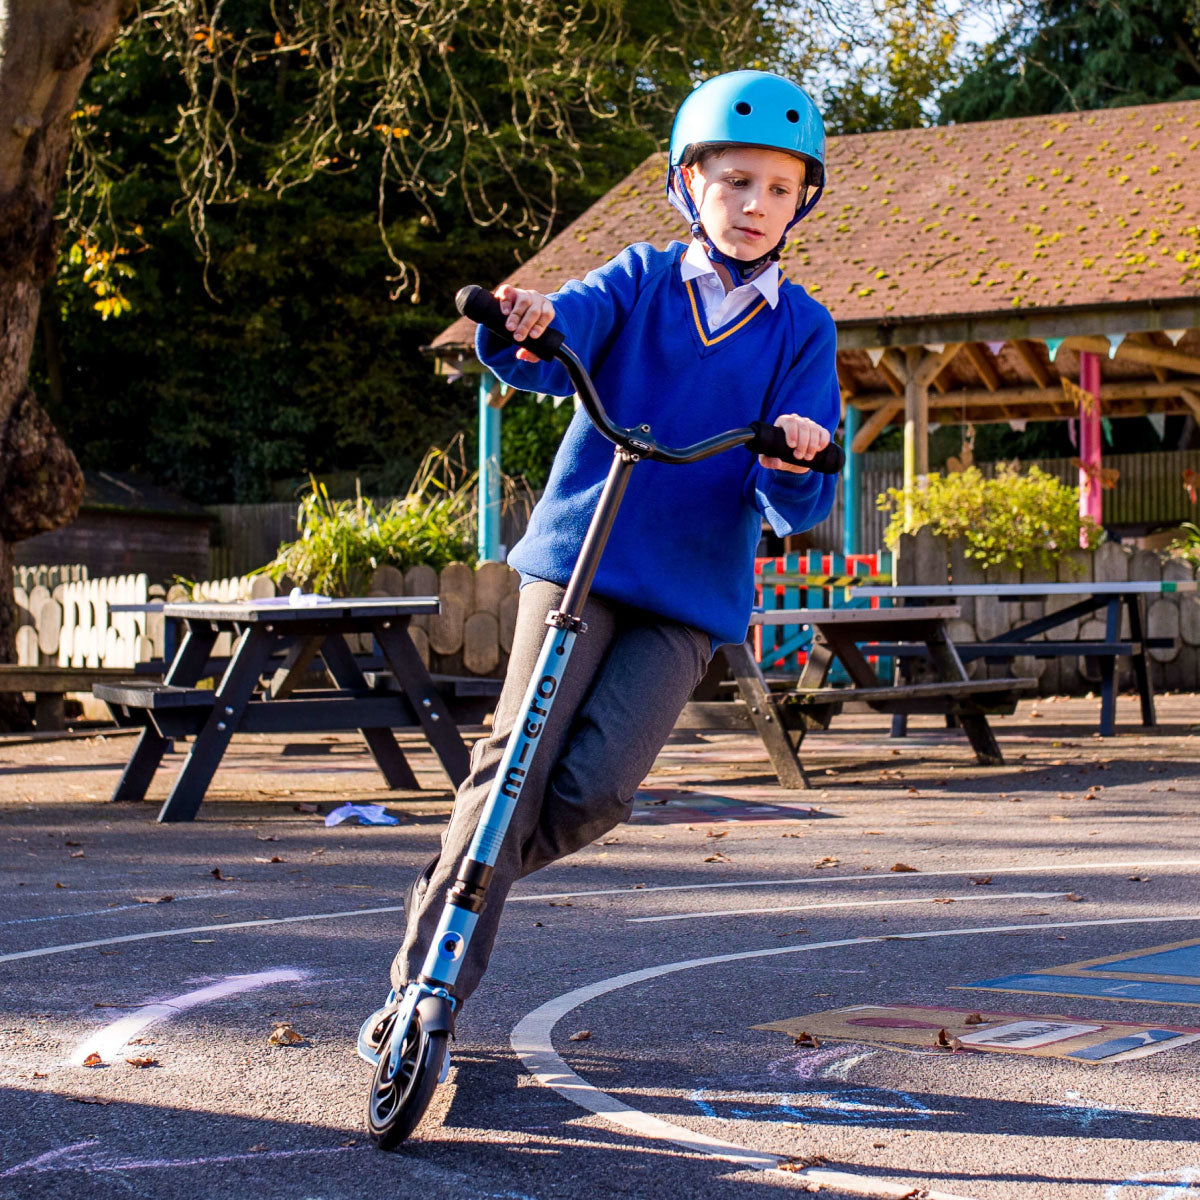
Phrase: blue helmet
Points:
(747, 108)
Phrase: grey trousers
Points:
(628, 678)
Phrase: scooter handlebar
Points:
(772, 441)
(484, 309)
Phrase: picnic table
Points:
(782, 717)
(1028, 638)
(251, 697)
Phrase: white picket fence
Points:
(73, 625)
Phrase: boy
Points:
(694, 342)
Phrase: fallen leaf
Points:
(257, 1149)
(982, 880)
(803, 1038)
(93, 1060)
(943, 900)
(77, 854)
(284, 1035)
(561, 904)
(88, 1100)
(912, 791)
(902, 867)
(946, 1041)
(216, 874)
(273, 859)
(791, 835)
(827, 861)
(80, 843)
(1072, 896)
(142, 1062)
(41, 1075)
(1139, 879)
(610, 841)
(584, 1035)
(717, 833)
(974, 1019)
(60, 885)
(791, 932)
(718, 857)
(269, 837)
(153, 899)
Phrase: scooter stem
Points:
(570, 611)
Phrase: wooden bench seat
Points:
(49, 685)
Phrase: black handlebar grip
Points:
(484, 309)
(772, 441)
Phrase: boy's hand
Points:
(529, 314)
(805, 437)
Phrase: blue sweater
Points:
(684, 541)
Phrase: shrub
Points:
(1011, 520)
(343, 542)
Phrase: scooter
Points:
(406, 1040)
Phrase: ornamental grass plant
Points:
(1016, 519)
(343, 542)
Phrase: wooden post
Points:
(851, 483)
(916, 427)
(489, 468)
(1089, 436)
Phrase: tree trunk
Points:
(46, 51)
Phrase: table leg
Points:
(410, 673)
(148, 754)
(249, 659)
(974, 721)
(1108, 669)
(781, 744)
(294, 666)
(1141, 662)
(394, 767)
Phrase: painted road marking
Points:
(743, 912)
(165, 933)
(870, 877)
(1141, 990)
(532, 1041)
(107, 1042)
(116, 908)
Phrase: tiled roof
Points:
(986, 218)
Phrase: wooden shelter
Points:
(971, 270)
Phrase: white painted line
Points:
(743, 912)
(166, 933)
(869, 877)
(107, 1042)
(532, 1041)
(116, 908)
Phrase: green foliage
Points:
(1186, 543)
(530, 434)
(343, 542)
(282, 343)
(892, 81)
(1064, 55)
(1011, 520)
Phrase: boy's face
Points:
(746, 195)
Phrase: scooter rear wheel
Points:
(398, 1100)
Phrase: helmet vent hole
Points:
(742, 108)
(792, 115)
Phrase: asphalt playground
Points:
(978, 982)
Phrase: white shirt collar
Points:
(696, 263)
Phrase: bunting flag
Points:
(994, 347)
(1052, 345)
(1159, 421)
(1174, 335)
(935, 347)
(875, 354)
(1190, 481)
(1106, 426)
(1072, 433)
(1018, 426)
(1114, 343)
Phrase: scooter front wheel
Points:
(399, 1098)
